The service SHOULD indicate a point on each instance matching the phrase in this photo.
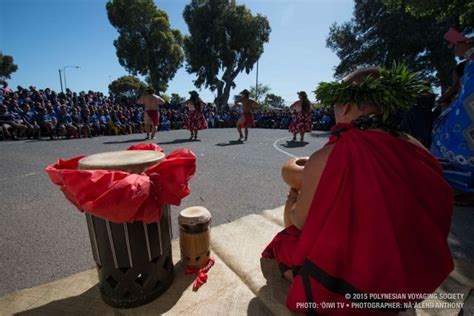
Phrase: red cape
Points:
(122, 197)
(378, 223)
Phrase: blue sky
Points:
(45, 35)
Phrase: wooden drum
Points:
(133, 260)
(194, 226)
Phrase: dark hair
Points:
(197, 104)
(459, 70)
(305, 104)
(245, 93)
(426, 101)
(149, 90)
(195, 100)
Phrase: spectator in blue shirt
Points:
(116, 125)
(137, 121)
(64, 126)
(104, 121)
(10, 124)
(91, 121)
(46, 122)
(28, 116)
(77, 122)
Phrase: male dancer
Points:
(246, 118)
(152, 117)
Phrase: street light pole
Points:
(64, 73)
(256, 84)
(60, 80)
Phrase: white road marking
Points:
(281, 150)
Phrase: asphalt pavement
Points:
(43, 237)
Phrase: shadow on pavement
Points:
(320, 134)
(179, 141)
(230, 143)
(294, 144)
(126, 141)
(47, 139)
(90, 303)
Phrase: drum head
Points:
(194, 215)
(133, 161)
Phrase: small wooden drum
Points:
(133, 260)
(194, 224)
(292, 172)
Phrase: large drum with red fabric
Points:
(133, 260)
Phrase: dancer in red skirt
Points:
(246, 119)
(302, 121)
(196, 120)
(152, 104)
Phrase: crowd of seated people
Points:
(322, 119)
(34, 113)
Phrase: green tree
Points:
(225, 39)
(165, 97)
(379, 35)
(176, 99)
(274, 100)
(7, 67)
(146, 44)
(129, 87)
(263, 90)
(458, 13)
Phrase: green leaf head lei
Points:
(391, 90)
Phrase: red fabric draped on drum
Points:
(301, 123)
(122, 197)
(378, 223)
(146, 146)
(196, 121)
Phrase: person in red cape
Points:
(372, 217)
